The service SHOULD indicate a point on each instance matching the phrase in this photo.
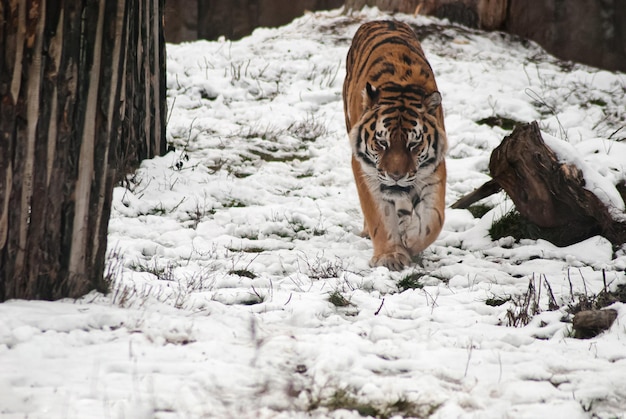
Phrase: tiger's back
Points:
(395, 122)
(384, 51)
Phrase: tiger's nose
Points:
(395, 175)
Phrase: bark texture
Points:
(82, 101)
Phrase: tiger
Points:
(394, 120)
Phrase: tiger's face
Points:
(397, 138)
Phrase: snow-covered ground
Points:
(241, 287)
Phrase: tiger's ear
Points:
(432, 102)
(370, 96)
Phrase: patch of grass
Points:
(499, 121)
(216, 165)
(160, 209)
(598, 102)
(280, 157)
(605, 298)
(249, 249)
(253, 300)
(127, 294)
(497, 301)
(511, 224)
(478, 210)
(200, 211)
(250, 235)
(324, 269)
(234, 203)
(243, 272)
(296, 224)
(338, 300)
(407, 409)
(113, 270)
(587, 301)
(162, 272)
(344, 399)
(524, 307)
(238, 170)
(308, 129)
(267, 132)
(411, 281)
(304, 175)
(515, 225)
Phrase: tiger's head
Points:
(398, 140)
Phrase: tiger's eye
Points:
(381, 141)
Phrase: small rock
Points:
(590, 323)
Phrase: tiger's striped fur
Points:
(395, 123)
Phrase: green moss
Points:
(478, 210)
(497, 301)
(500, 121)
(343, 399)
(338, 300)
(515, 225)
(411, 281)
(243, 272)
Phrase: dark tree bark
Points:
(82, 101)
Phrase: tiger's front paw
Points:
(394, 261)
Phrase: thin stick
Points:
(379, 308)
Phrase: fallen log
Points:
(546, 191)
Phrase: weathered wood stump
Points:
(547, 192)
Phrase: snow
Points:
(223, 254)
(603, 186)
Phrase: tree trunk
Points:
(82, 101)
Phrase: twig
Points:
(571, 287)
(379, 308)
(257, 294)
(470, 349)
(552, 304)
